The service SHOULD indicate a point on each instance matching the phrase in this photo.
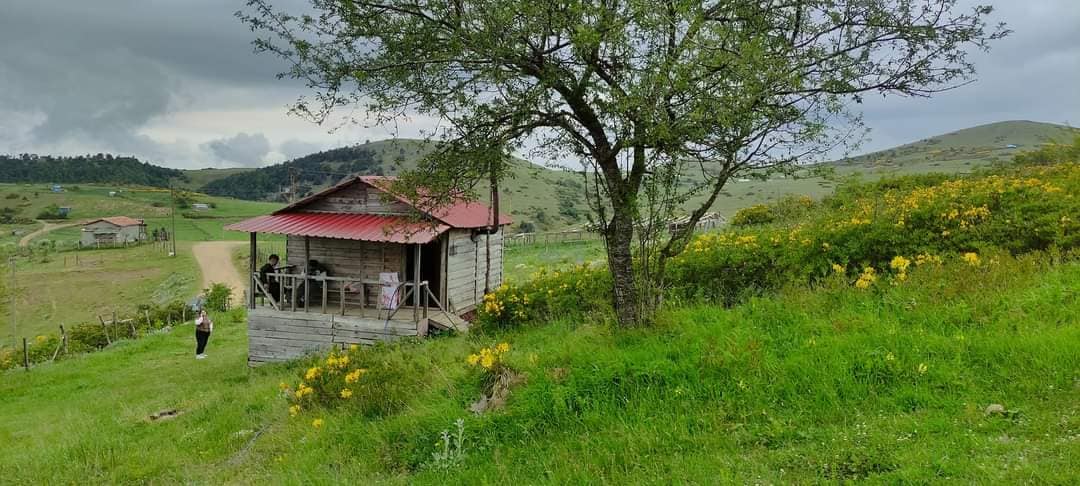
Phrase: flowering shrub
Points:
(875, 230)
(910, 220)
(547, 294)
(376, 384)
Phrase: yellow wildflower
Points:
(346, 393)
(312, 373)
(971, 258)
(867, 278)
(487, 361)
(922, 368)
(503, 347)
(353, 347)
(354, 375)
(317, 423)
(294, 410)
(899, 263)
(473, 359)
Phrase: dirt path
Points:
(215, 261)
(25, 240)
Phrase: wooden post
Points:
(254, 250)
(106, 329)
(26, 355)
(307, 260)
(324, 291)
(292, 301)
(416, 283)
(63, 338)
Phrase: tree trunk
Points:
(619, 238)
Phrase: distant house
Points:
(200, 207)
(112, 193)
(57, 188)
(117, 230)
(63, 211)
(1012, 146)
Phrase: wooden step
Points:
(446, 321)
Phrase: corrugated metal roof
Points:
(118, 221)
(364, 227)
(464, 214)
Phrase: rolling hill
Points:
(544, 199)
(963, 149)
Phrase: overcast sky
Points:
(175, 82)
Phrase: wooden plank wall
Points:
(465, 268)
(350, 258)
(279, 336)
(359, 198)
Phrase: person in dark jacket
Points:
(272, 286)
(203, 327)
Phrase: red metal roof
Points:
(364, 227)
(118, 221)
(463, 214)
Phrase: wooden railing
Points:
(290, 285)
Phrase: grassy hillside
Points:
(880, 336)
(826, 385)
(88, 201)
(962, 150)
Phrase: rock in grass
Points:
(995, 409)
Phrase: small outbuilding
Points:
(117, 230)
(200, 207)
(363, 264)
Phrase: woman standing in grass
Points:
(203, 326)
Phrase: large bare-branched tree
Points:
(641, 91)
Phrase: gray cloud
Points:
(245, 149)
(174, 81)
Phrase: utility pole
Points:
(14, 327)
(172, 238)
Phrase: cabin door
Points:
(430, 267)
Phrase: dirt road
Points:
(215, 261)
(25, 240)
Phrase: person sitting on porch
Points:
(273, 288)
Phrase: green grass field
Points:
(60, 290)
(813, 385)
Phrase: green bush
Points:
(374, 381)
(1024, 210)
(51, 211)
(578, 291)
(857, 234)
(217, 297)
(784, 210)
(756, 214)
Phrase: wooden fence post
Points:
(106, 329)
(63, 337)
(26, 355)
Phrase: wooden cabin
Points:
(117, 230)
(362, 265)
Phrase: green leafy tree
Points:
(640, 91)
